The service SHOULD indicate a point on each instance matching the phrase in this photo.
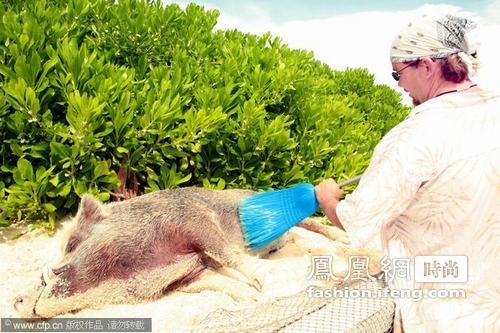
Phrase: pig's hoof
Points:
(250, 270)
(252, 279)
(255, 284)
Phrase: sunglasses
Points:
(395, 74)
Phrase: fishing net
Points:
(373, 311)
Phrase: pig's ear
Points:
(90, 211)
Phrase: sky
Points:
(350, 34)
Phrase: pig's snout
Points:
(24, 305)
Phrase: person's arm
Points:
(328, 194)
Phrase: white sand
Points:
(284, 273)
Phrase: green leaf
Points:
(182, 180)
(221, 184)
(49, 207)
(39, 174)
(100, 169)
(17, 149)
(81, 187)
(55, 180)
(60, 150)
(26, 169)
(64, 190)
(103, 196)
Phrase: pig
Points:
(187, 239)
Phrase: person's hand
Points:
(328, 194)
(328, 191)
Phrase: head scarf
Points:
(437, 38)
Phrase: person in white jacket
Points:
(433, 184)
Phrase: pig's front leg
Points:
(150, 284)
(210, 238)
(331, 232)
(211, 280)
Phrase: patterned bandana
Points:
(437, 38)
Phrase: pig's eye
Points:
(60, 270)
(71, 245)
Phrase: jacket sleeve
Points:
(397, 170)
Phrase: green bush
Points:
(105, 96)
